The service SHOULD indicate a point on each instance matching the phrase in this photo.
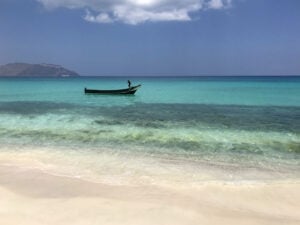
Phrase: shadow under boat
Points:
(126, 91)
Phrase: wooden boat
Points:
(127, 91)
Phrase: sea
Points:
(173, 131)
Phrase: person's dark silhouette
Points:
(129, 84)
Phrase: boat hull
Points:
(127, 91)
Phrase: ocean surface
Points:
(175, 130)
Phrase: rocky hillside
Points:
(25, 69)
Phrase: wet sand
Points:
(33, 197)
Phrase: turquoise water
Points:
(247, 127)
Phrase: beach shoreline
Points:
(224, 151)
(32, 196)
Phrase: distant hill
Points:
(44, 70)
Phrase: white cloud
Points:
(218, 4)
(100, 18)
(137, 11)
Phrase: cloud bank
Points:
(137, 11)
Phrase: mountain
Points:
(44, 70)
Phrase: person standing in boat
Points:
(129, 84)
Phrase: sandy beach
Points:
(31, 196)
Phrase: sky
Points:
(154, 37)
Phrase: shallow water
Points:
(187, 129)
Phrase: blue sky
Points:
(154, 37)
